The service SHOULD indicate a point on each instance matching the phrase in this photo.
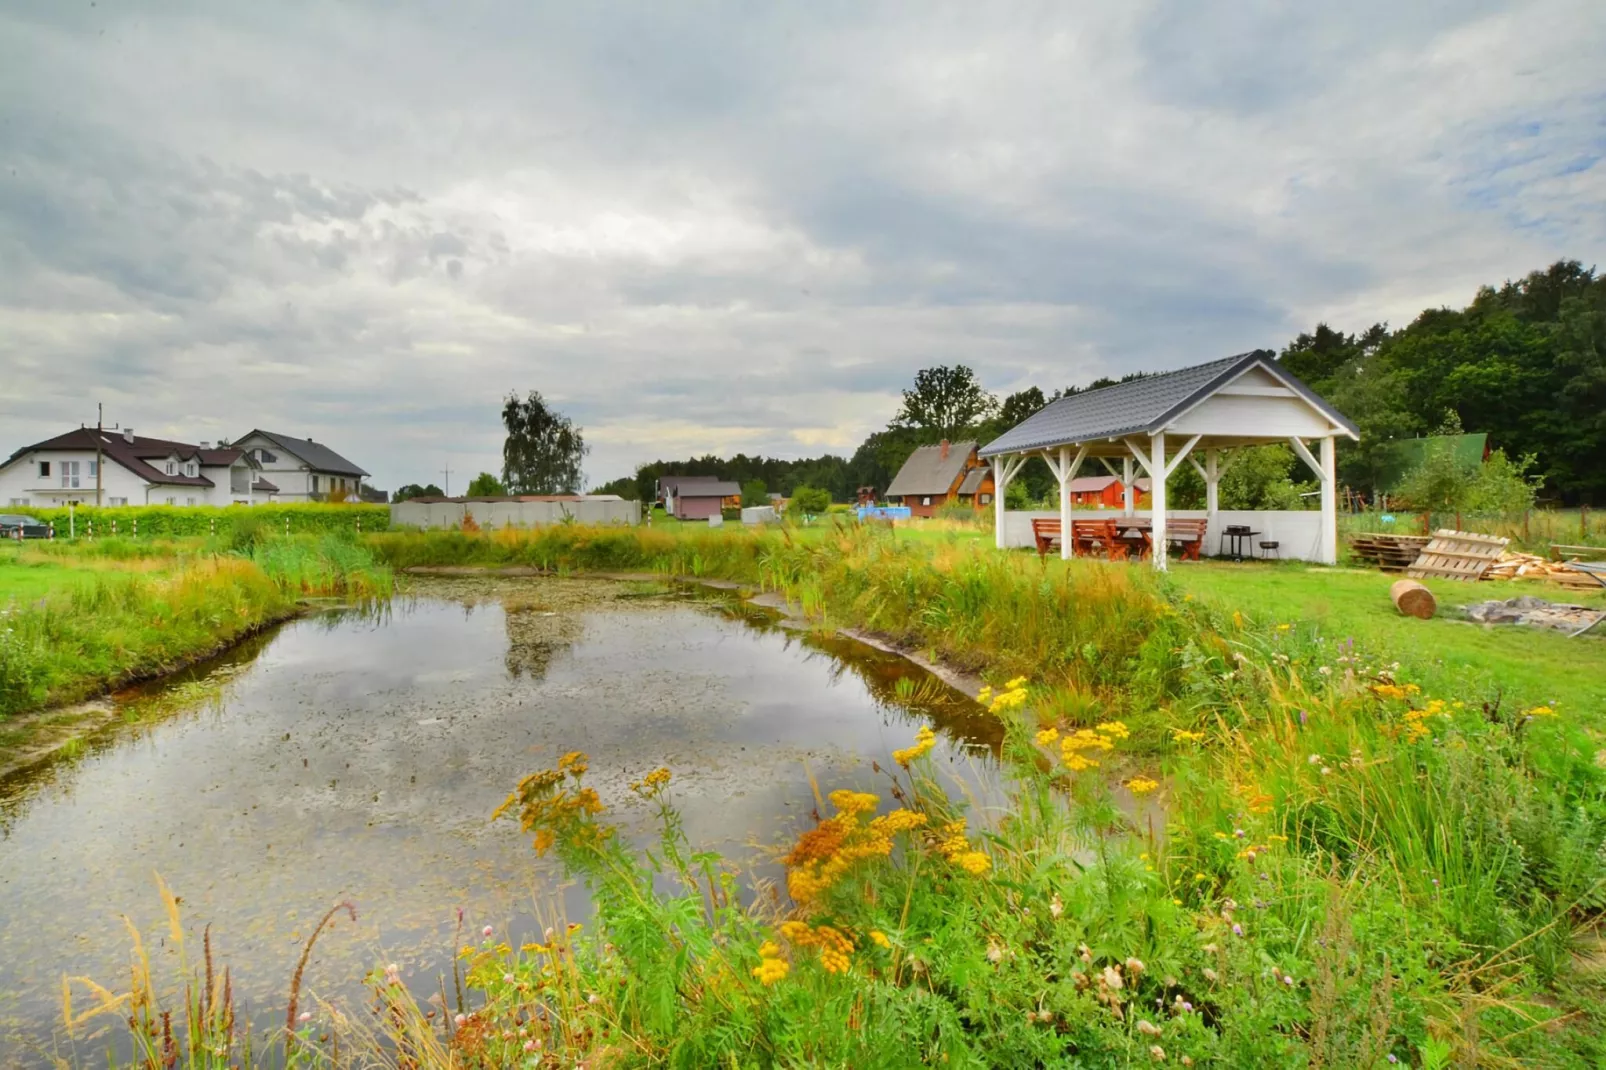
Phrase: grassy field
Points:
(83, 617)
(1367, 861)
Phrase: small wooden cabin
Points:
(938, 475)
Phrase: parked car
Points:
(15, 525)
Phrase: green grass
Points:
(1358, 861)
(1523, 664)
(85, 618)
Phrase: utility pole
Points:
(446, 474)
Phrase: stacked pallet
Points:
(1391, 553)
(1513, 565)
(1457, 555)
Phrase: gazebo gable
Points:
(1258, 400)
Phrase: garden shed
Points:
(1201, 415)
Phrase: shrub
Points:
(174, 520)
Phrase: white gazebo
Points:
(1200, 415)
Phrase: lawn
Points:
(1450, 655)
(27, 575)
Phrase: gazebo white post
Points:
(1003, 472)
(1156, 467)
(1329, 546)
(1065, 468)
(1129, 493)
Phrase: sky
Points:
(700, 227)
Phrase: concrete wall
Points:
(1299, 533)
(512, 514)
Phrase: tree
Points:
(809, 501)
(755, 492)
(485, 485)
(624, 486)
(945, 402)
(413, 490)
(543, 449)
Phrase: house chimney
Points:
(205, 445)
(945, 449)
(128, 435)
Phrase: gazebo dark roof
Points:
(1141, 405)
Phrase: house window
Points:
(94, 469)
(987, 499)
(189, 501)
(69, 473)
(265, 456)
(314, 484)
(172, 469)
(172, 500)
(117, 501)
(44, 472)
(926, 500)
(19, 501)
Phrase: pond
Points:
(358, 756)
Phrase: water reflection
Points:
(359, 756)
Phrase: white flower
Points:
(1055, 907)
(1326, 670)
(1314, 759)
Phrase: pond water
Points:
(359, 756)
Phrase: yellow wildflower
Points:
(574, 763)
(973, 862)
(1182, 735)
(925, 739)
(879, 938)
(771, 967)
(1540, 711)
(1141, 785)
(1047, 736)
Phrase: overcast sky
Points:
(709, 228)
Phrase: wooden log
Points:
(1413, 599)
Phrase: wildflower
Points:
(1134, 966)
(1237, 930)
(879, 938)
(925, 739)
(508, 978)
(1326, 670)
(574, 763)
(1148, 1028)
(306, 1016)
(1157, 1053)
(1141, 785)
(1211, 975)
(1047, 736)
(530, 1045)
(487, 931)
(1314, 759)
(1393, 1058)
(1200, 877)
(1055, 907)
(995, 954)
(771, 967)
(393, 974)
(459, 1020)
(1540, 711)
(1326, 771)
(1182, 735)
(973, 862)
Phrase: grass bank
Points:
(89, 617)
(1363, 865)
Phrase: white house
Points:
(304, 470)
(132, 471)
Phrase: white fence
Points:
(512, 514)
(1299, 535)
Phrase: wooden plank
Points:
(1457, 555)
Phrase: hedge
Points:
(181, 520)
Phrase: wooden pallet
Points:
(1391, 553)
(1457, 555)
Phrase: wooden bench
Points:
(1090, 537)
(1186, 533)
(1046, 533)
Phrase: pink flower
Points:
(305, 1016)
(487, 931)
(460, 1020)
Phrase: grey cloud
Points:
(725, 227)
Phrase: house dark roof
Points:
(927, 471)
(698, 487)
(314, 455)
(264, 486)
(1142, 405)
(973, 481)
(136, 455)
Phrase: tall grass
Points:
(121, 627)
(1353, 871)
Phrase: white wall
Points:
(21, 479)
(515, 514)
(1299, 533)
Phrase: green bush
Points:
(175, 520)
